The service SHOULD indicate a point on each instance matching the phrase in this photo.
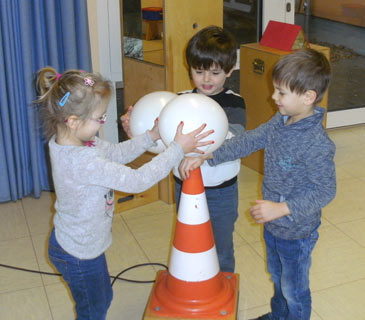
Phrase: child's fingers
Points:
(184, 169)
(130, 109)
(198, 130)
(127, 115)
(198, 151)
(204, 134)
(204, 143)
(184, 172)
(180, 127)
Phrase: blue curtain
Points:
(33, 34)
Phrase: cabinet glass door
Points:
(143, 30)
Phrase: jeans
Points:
(223, 210)
(288, 262)
(88, 280)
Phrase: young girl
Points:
(85, 172)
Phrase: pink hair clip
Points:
(89, 82)
(58, 76)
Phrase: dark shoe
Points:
(263, 317)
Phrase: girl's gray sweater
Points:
(299, 169)
(84, 180)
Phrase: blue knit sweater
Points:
(299, 169)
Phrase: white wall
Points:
(106, 52)
(277, 10)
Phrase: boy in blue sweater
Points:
(299, 178)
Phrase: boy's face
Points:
(209, 82)
(291, 104)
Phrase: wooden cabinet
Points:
(257, 63)
(163, 68)
(347, 11)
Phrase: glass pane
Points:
(142, 32)
(347, 46)
(242, 18)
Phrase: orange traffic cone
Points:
(193, 287)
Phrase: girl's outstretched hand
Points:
(190, 141)
(125, 121)
(154, 132)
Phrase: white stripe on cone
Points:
(194, 267)
(193, 209)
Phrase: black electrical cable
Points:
(136, 266)
(117, 277)
(29, 270)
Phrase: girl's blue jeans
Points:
(88, 280)
(288, 262)
(223, 210)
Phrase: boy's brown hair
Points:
(211, 46)
(303, 70)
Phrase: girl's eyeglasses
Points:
(101, 120)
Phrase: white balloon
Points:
(194, 109)
(144, 113)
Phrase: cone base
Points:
(224, 306)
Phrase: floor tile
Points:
(344, 137)
(347, 205)
(250, 183)
(342, 174)
(355, 230)
(60, 301)
(358, 130)
(255, 312)
(356, 168)
(29, 304)
(18, 253)
(245, 225)
(259, 247)
(346, 155)
(154, 233)
(151, 209)
(341, 302)
(40, 243)
(255, 285)
(39, 212)
(126, 252)
(337, 259)
(129, 301)
(13, 223)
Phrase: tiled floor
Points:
(144, 234)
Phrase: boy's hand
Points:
(188, 164)
(125, 121)
(190, 141)
(265, 210)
